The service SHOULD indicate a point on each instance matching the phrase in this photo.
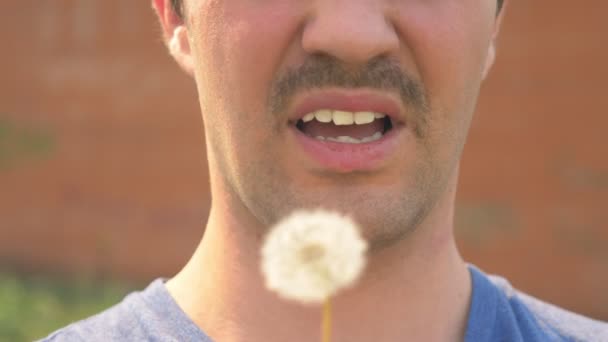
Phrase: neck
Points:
(405, 287)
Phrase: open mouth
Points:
(345, 127)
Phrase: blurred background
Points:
(104, 184)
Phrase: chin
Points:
(382, 219)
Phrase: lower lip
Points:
(343, 158)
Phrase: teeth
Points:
(320, 137)
(379, 115)
(345, 139)
(340, 117)
(351, 140)
(323, 115)
(343, 118)
(362, 118)
(308, 117)
(374, 137)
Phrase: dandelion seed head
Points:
(310, 255)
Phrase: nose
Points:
(353, 31)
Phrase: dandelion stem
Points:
(326, 327)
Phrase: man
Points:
(357, 106)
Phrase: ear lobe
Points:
(179, 47)
(166, 16)
(490, 57)
(175, 34)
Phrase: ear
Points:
(491, 56)
(175, 34)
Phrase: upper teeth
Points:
(340, 117)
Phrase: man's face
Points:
(411, 67)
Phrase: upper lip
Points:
(350, 100)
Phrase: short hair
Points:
(178, 7)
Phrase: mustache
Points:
(380, 73)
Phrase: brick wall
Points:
(101, 174)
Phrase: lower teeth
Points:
(351, 140)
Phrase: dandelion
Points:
(311, 255)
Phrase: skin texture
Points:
(252, 60)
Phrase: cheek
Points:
(449, 41)
(246, 48)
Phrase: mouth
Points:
(345, 132)
(344, 127)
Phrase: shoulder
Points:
(117, 323)
(151, 314)
(501, 313)
(120, 322)
(556, 322)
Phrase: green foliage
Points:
(31, 307)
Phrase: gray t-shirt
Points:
(497, 313)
